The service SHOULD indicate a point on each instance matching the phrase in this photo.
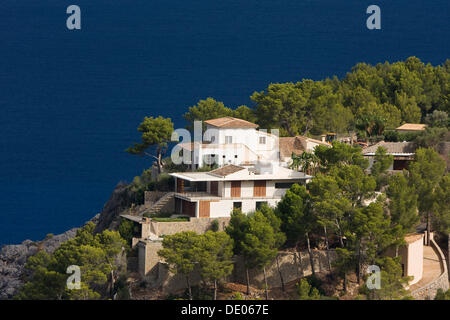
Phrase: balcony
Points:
(196, 195)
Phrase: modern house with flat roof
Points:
(216, 193)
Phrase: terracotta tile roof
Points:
(230, 122)
(392, 147)
(226, 170)
(412, 127)
(289, 145)
(297, 145)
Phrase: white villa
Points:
(253, 169)
(235, 141)
(216, 193)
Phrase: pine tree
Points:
(297, 217)
(402, 203)
(425, 173)
(215, 256)
(306, 291)
(261, 243)
(180, 252)
(237, 229)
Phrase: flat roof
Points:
(413, 237)
(226, 170)
(412, 127)
(243, 174)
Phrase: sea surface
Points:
(70, 101)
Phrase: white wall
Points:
(415, 260)
(310, 145)
(247, 188)
(224, 208)
(241, 137)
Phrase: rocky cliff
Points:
(14, 257)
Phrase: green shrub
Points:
(161, 214)
(395, 136)
(306, 291)
(165, 183)
(49, 236)
(92, 252)
(237, 296)
(179, 219)
(441, 295)
(215, 225)
(169, 166)
(127, 230)
(121, 288)
(141, 184)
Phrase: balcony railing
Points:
(196, 194)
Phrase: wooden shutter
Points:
(204, 209)
(188, 208)
(259, 188)
(235, 189)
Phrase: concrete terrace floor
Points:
(431, 268)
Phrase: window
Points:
(228, 139)
(214, 188)
(259, 204)
(262, 140)
(195, 186)
(237, 205)
(283, 185)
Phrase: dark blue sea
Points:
(70, 101)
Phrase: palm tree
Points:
(371, 125)
(296, 162)
(308, 162)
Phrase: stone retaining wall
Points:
(290, 265)
(150, 197)
(158, 275)
(199, 225)
(428, 292)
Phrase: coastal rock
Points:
(13, 259)
(120, 199)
